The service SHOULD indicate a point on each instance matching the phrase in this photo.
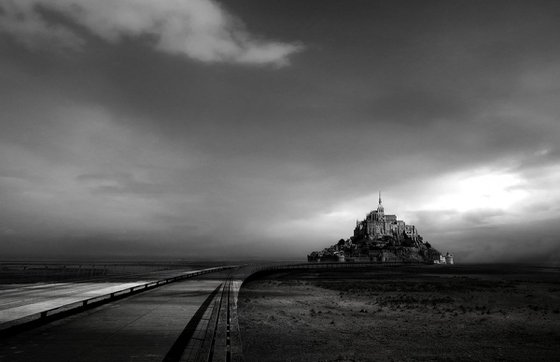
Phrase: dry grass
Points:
(409, 313)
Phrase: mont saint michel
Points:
(198, 180)
(382, 238)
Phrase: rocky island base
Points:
(382, 238)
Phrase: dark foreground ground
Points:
(413, 313)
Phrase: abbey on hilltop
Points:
(382, 238)
(377, 225)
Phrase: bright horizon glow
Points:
(485, 190)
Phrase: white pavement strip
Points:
(236, 286)
(16, 303)
(16, 298)
(77, 293)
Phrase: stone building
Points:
(382, 238)
(377, 225)
(449, 258)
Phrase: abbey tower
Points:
(377, 225)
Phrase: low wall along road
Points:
(187, 317)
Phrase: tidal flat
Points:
(403, 313)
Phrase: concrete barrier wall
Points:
(45, 316)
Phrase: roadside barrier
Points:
(34, 320)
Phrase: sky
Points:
(264, 129)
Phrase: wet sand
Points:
(412, 313)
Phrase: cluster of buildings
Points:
(444, 259)
(376, 225)
(382, 238)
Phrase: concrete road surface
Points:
(142, 327)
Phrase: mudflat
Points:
(403, 313)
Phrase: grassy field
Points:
(409, 313)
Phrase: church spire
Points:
(379, 197)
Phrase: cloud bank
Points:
(199, 29)
(119, 151)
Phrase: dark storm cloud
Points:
(118, 143)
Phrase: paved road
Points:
(142, 327)
(190, 320)
(19, 301)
